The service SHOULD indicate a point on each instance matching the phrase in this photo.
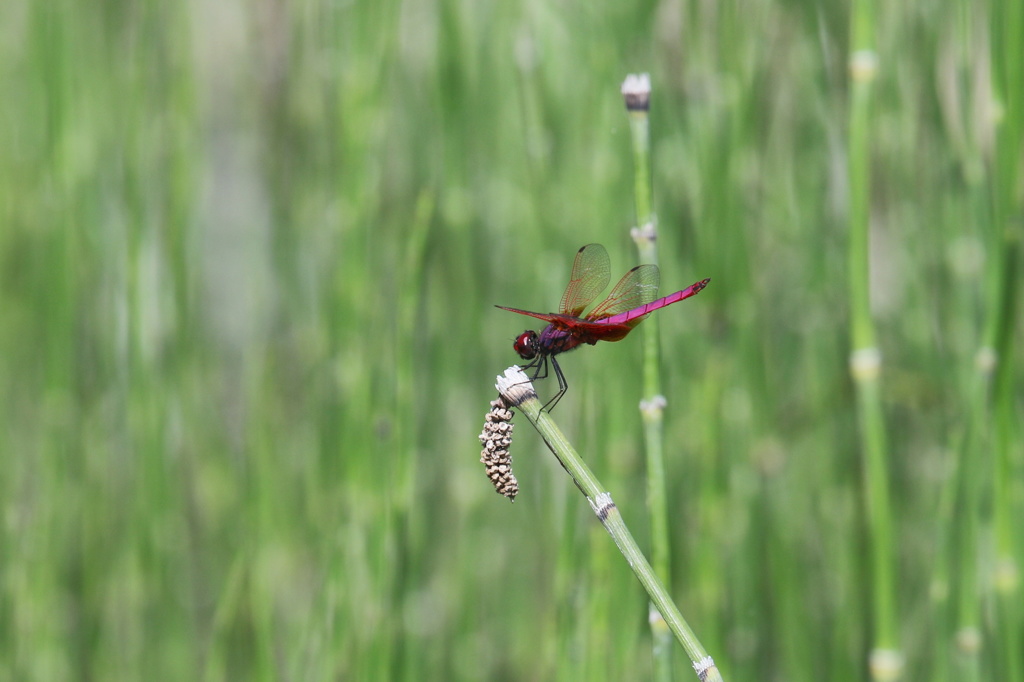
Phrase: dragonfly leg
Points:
(563, 385)
(539, 365)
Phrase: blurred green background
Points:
(248, 259)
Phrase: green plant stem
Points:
(865, 359)
(1007, 30)
(516, 389)
(1005, 438)
(639, 113)
(636, 91)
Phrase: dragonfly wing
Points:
(637, 288)
(591, 273)
(550, 318)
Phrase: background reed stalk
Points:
(637, 93)
(865, 356)
(1007, 238)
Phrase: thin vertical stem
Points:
(1007, 29)
(636, 91)
(865, 361)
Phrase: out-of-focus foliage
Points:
(248, 259)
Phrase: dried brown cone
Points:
(496, 438)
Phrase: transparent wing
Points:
(637, 288)
(591, 273)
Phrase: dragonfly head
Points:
(526, 345)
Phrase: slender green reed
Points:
(985, 503)
(516, 389)
(965, 633)
(1007, 60)
(886, 660)
(636, 91)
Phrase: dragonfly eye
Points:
(526, 344)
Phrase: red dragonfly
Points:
(632, 299)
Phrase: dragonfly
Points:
(628, 304)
